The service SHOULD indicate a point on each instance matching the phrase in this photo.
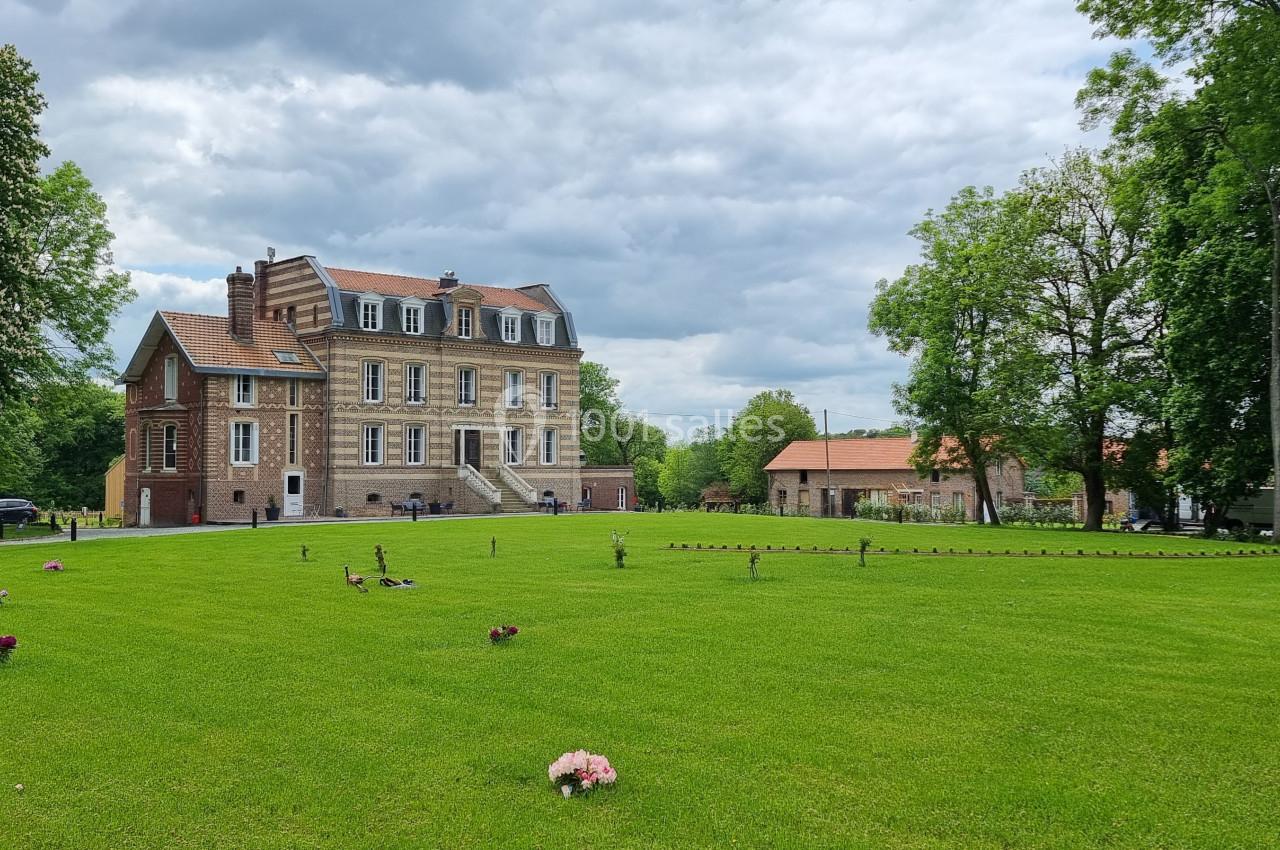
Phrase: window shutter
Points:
(231, 443)
(253, 457)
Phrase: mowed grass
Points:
(214, 691)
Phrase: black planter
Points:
(273, 514)
(433, 507)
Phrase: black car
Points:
(14, 511)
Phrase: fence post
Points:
(99, 519)
(73, 529)
(415, 511)
(255, 517)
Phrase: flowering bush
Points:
(54, 566)
(4, 594)
(8, 643)
(580, 771)
(503, 633)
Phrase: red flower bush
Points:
(503, 633)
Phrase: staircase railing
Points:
(479, 484)
(526, 491)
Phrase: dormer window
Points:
(546, 326)
(510, 321)
(465, 316)
(411, 316)
(370, 312)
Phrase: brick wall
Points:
(603, 482)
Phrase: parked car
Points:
(17, 510)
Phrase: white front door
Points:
(144, 508)
(293, 494)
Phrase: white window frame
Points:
(935, 501)
(466, 322)
(293, 437)
(367, 432)
(237, 387)
(509, 325)
(236, 454)
(463, 400)
(422, 383)
(545, 457)
(171, 378)
(366, 383)
(370, 312)
(513, 391)
(546, 330)
(622, 498)
(549, 401)
(422, 444)
(164, 447)
(294, 391)
(414, 307)
(513, 452)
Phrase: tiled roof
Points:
(402, 286)
(208, 342)
(879, 453)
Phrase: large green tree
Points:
(675, 480)
(961, 315)
(1089, 217)
(764, 427)
(21, 209)
(1228, 49)
(81, 430)
(611, 436)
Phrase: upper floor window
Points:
(370, 313)
(244, 443)
(464, 322)
(293, 392)
(935, 476)
(466, 385)
(411, 318)
(245, 390)
(546, 331)
(171, 378)
(291, 316)
(372, 381)
(549, 388)
(292, 438)
(415, 383)
(171, 447)
(510, 327)
(514, 388)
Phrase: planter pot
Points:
(273, 514)
(433, 507)
(339, 512)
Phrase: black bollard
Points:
(99, 519)
(415, 511)
(255, 517)
(1, 531)
(73, 529)
(555, 507)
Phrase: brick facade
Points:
(609, 488)
(801, 490)
(328, 405)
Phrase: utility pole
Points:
(826, 447)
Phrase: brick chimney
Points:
(240, 304)
(260, 275)
(448, 280)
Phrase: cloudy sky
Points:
(713, 188)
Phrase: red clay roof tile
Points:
(208, 341)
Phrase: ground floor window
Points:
(414, 440)
(622, 498)
(372, 442)
(550, 445)
(171, 447)
(513, 446)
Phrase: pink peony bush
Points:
(8, 643)
(580, 771)
(54, 566)
(503, 633)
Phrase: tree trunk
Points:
(986, 504)
(1273, 199)
(1095, 498)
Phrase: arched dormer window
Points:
(369, 308)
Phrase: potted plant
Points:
(273, 510)
(433, 506)
(339, 511)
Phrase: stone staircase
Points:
(511, 503)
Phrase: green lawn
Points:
(213, 691)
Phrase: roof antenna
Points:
(271, 254)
